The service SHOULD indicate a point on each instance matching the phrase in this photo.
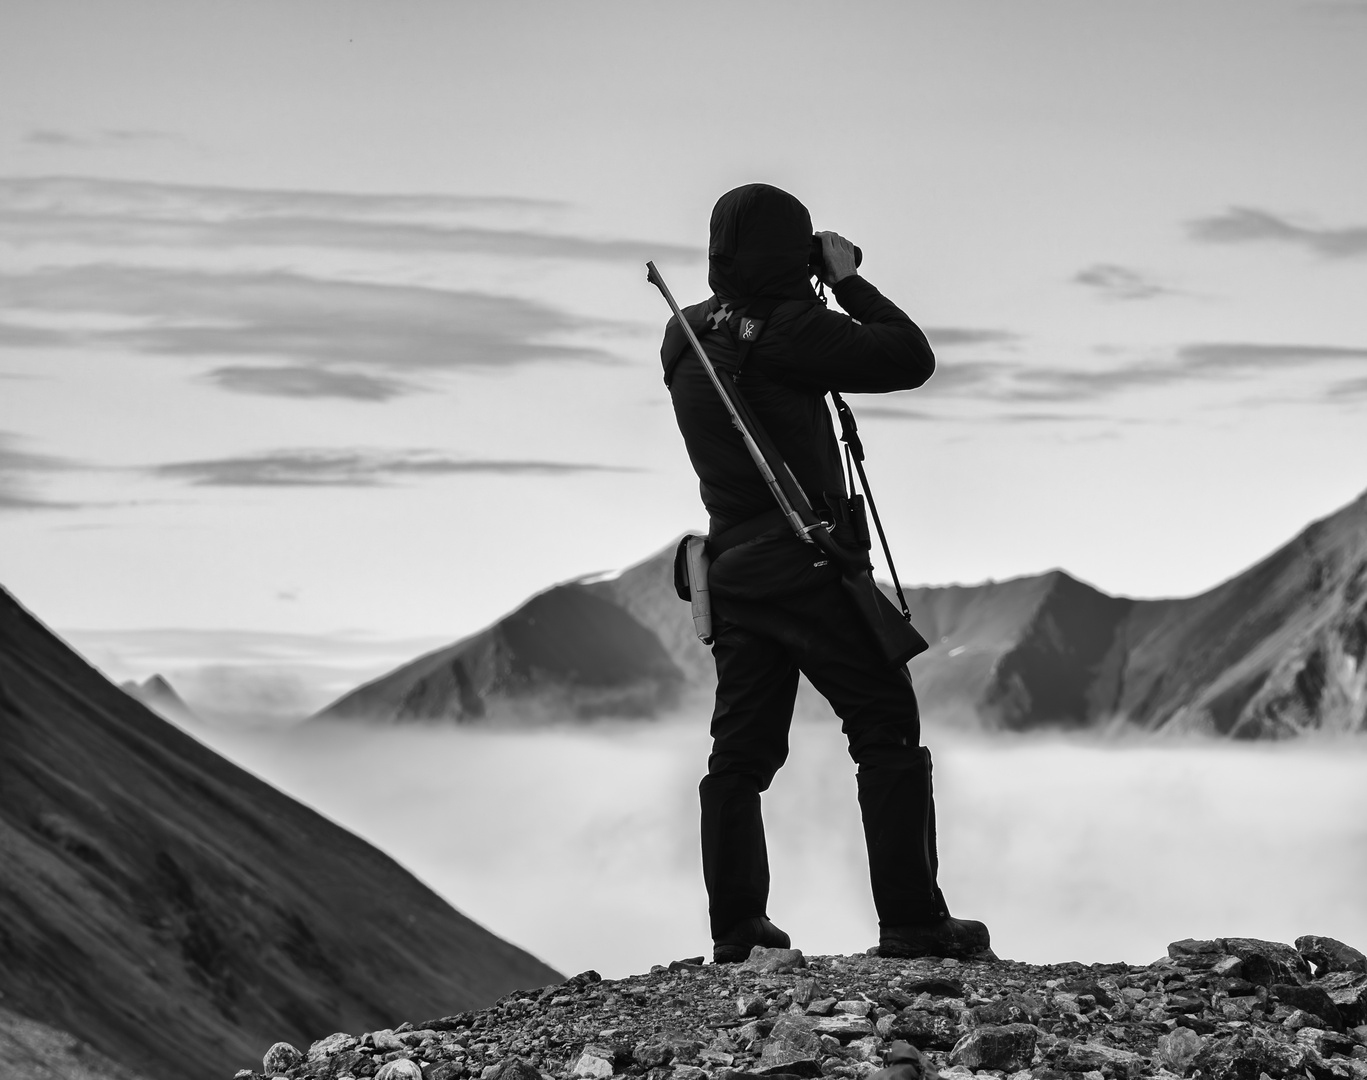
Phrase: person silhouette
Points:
(778, 608)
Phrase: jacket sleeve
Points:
(876, 350)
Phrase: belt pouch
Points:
(897, 640)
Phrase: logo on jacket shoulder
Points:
(750, 328)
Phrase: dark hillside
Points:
(175, 912)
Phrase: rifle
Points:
(896, 638)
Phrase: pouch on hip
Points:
(690, 582)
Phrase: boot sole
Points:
(731, 954)
(907, 952)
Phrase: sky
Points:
(324, 329)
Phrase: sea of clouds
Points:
(579, 842)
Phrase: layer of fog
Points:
(579, 843)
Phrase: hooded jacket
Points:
(759, 247)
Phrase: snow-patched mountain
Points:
(1278, 649)
(177, 914)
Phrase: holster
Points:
(691, 563)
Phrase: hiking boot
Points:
(949, 938)
(734, 946)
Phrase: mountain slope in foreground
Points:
(173, 911)
(1279, 649)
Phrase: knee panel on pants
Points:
(887, 746)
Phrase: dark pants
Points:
(775, 614)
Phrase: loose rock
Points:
(399, 1069)
(792, 1047)
(773, 961)
(1177, 1050)
(1310, 999)
(1212, 1009)
(1009, 1047)
(1329, 955)
(332, 1044)
(843, 1026)
(281, 1057)
(594, 1063)
(511, 1069)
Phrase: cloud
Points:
(337, 326)
(81, 194)
(307, 382)
(351, 468)
(1347, 388)
(1002, 381)
(130, 214)
(889, 412)
(19, 469)
(943, 336)
(1242, 224)
(966, 377)
(54, 138)
(168, 646)
(1337, 8)
(883, 412)
(18, 336)
(1119, 282)
(1045, 418)
(1200, 361)
(1248, 356)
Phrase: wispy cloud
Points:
(1355, 9)
(335, 326)
(1347, 389)
(1248, 356)
(1203, 361)
(99, 138)
(891, 412)
(306, 382)
(1046, 418)
(884, 412)
(16, 335)
(1242, 225)
(1003, 381)
(946, 336)
(127, 214)
(352, 468)
(19, 469)
(966, 377)
(1119, 282)
(142, 199)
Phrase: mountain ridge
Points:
(1276, 649)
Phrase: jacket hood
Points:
(760, 244)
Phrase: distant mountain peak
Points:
(160, 696)
(1277, 649)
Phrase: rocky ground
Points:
(1231, 1007)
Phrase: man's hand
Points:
(838, 254)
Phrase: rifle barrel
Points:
(802, 528)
